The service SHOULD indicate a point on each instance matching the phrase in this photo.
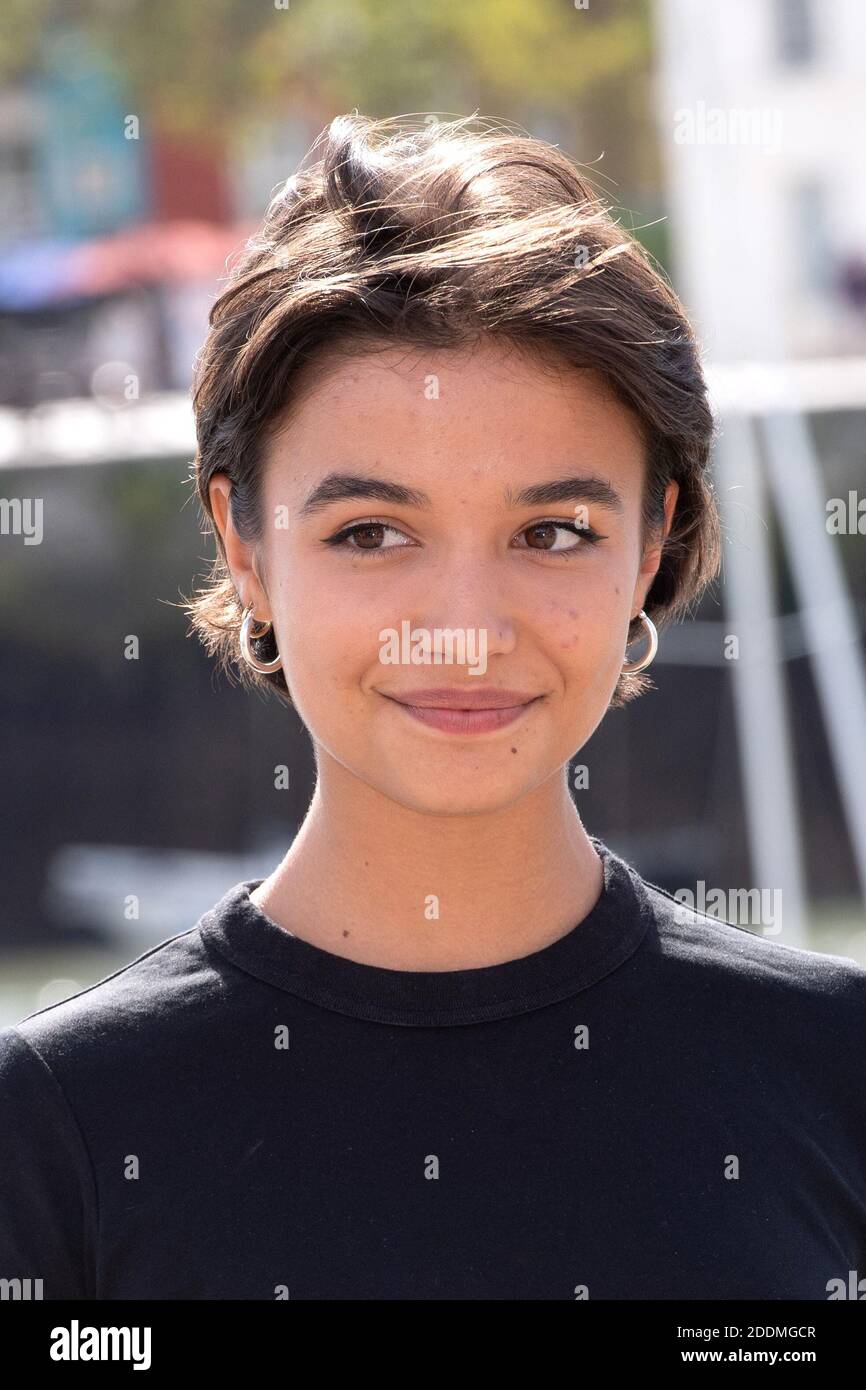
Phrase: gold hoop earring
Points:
(631, 667)
(248, 636)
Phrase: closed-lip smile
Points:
(464, 709)
(462, 697)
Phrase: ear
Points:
(652, 556)
(240, 555)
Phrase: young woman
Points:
(453, 441)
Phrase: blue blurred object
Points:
(33, 273)
(92, 174)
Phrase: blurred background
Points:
(140, 141)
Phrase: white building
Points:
(762, 114)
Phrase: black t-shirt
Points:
(657, 1105)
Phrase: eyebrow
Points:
(343, 487)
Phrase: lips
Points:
(462, 698)
(462, 710)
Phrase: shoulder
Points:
(122, 1020)
(752, 962)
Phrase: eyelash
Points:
(586, 533)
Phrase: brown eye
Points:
(546, 531)
(368, 537)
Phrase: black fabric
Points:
(439, 1135)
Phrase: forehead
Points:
(497, 401)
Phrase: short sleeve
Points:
(47, 1189)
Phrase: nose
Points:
(466, 592)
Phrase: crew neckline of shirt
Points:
(238, 929)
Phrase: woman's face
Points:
(498, 516)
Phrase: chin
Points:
(468, 795)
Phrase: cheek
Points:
(588, 622)
(330, 638)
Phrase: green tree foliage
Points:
(578, 76)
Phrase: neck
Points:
(385, 885)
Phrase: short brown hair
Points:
(435, 233)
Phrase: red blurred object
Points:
(188, 178)
(153, 253)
